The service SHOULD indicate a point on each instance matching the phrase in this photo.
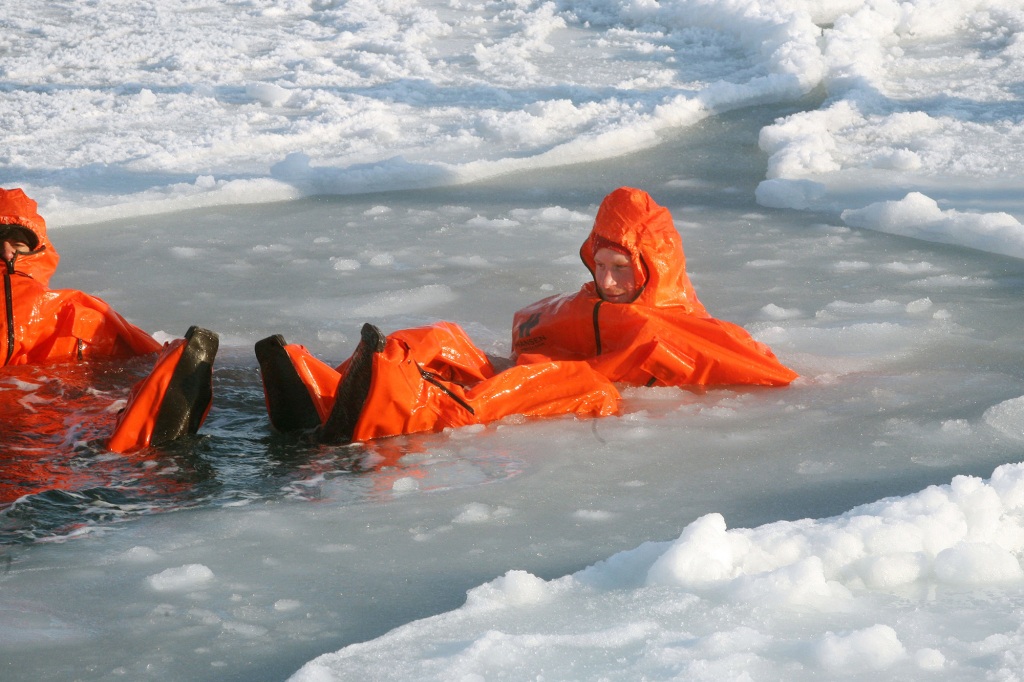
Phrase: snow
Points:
(180, 578)
(846, 178)
(719, 602)
(919, 216)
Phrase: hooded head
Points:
(21, 234)
(19, 213)
(631, 222)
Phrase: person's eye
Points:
(22, 248)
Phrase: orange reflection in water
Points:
(54, 421)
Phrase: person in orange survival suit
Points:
(42, 325)
(638, 322)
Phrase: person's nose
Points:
(8, 251)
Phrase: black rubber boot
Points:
(190, 391)
(289, 404)
(353, 389)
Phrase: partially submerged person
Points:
(40, 325)
(638, 322)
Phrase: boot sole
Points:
(190, 391)
(289, 404)
(353, 389)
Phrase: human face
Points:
(13, 246)
(614, 276)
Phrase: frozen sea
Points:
(846, 176)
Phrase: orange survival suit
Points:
(664, 337)
(433, 377)
(43, 326)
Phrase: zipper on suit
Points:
(597, 329)
(9, 309)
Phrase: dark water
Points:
(61, 481)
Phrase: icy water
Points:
(275, 552)
(466, 254)
(698, 536)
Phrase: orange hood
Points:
(630, 219)
(16, 208)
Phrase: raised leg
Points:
(289, 404)
(174, 399)
(190, 393)
(353, 389)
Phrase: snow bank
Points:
(815, 597)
